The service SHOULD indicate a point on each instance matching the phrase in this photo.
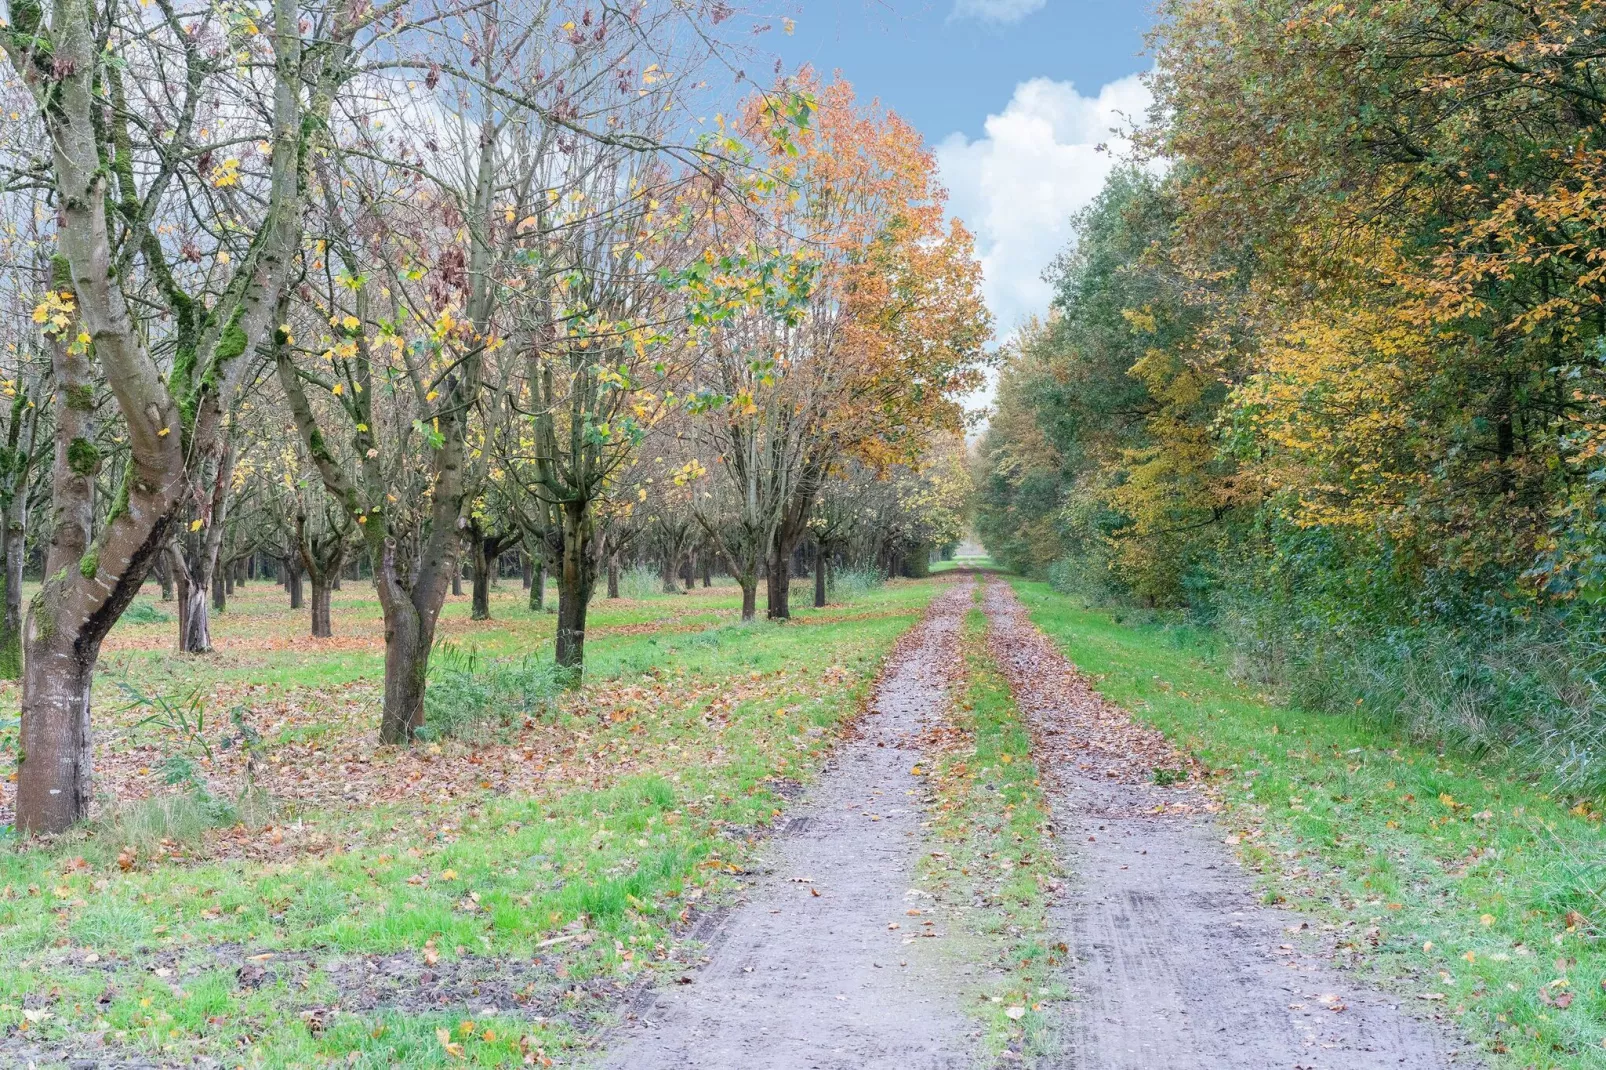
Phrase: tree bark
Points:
(407, 644)
(13, 539)
(821, 563)
(526, 569)
(574, 587)
(55, 778)
(164, 576)
(613, 575)
(749, 596)
(481, 566)
(707, 557)
(222, 584)
(322, 626)
(670, 587)
(779, 585)
(293, 576)
(538, 588)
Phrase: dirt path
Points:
(820, 968)
(1177, 964)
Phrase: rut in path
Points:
(798, 981)
(1177, 965)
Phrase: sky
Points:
(1014, 97)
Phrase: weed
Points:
(640, 582)
(473, 697)
(847, 584)
(145, 613)
(1165, 778)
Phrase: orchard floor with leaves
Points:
(489, 900)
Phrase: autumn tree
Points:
(142, 125)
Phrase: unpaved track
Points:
(1177, 966)
(799, 981)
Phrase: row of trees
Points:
(432, 278)
(1335, 341)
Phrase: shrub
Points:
(477, 698)
(1530, 685)
(143, 826)
(846, 584)
(145, 613)
(641, 581)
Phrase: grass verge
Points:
(1480, 896)
(997, 860)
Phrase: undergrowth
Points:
(477, 698)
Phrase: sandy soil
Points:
(820, 968)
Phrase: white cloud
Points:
(1017, 187)
(996, 10)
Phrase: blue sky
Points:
(1014, 96)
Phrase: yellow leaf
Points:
(164, 432)
(195, 525)
(449, 875)
(338, 389)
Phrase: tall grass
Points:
(1530, 688)
(853, 581)
(477, 698)
(641, 581)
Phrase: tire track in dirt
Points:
(816, 968)
(1176, 963)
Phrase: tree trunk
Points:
(293, 576)
(613, 575)
(821, 563)
(749, 596)
(457, 579)
(322, 628)
(13, 538)
(688, 572)
(669, 575)
(779, 588)
(708, 568)
(164, 576)
(538, 589)
(574, 588)
(406, 669)
(54, 781)
(481, 563)
(221, 589)
(194, 622)
(527, 568)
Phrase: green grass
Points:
(976, 561)
(1462, 885)
(992, 821)
(572, 855)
